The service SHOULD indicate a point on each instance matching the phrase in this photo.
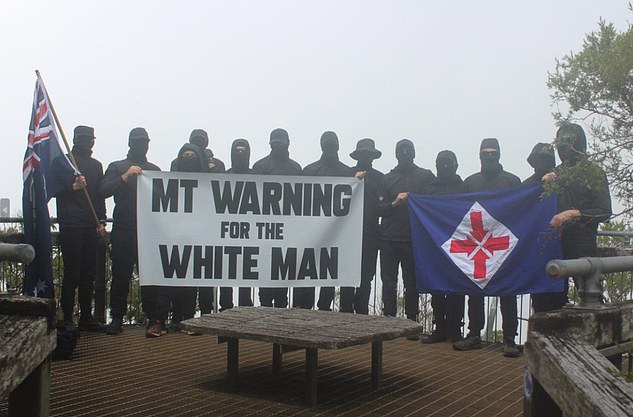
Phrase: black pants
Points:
(392, 256)
(357, 299)
(183, 303)
(79, 252)
(448, 312)
(205, 299)
(509, 318)
(155, 299)
(244, 298)
(303, 297)
(273, 297)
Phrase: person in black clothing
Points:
(277, 163)
(328, 165)
(79, 235)
(200, 138)
(240, 164)
(448, 309)
(191, 158)
(395, 233)
(357, 299)
(120, 181)
(583, 200)
(543, 161)
(491, 177)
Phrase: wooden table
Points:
(290, 329)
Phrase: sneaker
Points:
(157, 329)
(469, 343)
(115, 326)
(435, 337)
(91, 325)
(510, 349)
(414, 336)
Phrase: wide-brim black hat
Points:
(365, 146)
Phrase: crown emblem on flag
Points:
(479, 245)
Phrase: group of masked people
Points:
(386, 230)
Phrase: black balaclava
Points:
(490, 159)
(542, 158)
(405, 153)
(240, 156)
(199, 137)
(139, 144)
(190, 163)
(329, 147)
(365, 154)
(83, 140)
(571, 143)
(446, 166)
(279, 143)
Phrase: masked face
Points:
(139, 147)
(329, 149)
(188, 161)
(405, 154)
(239, 158)
(489, 158)
(279, 150)
(566, 151)
(445, 168)
(84, 145)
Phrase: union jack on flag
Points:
(45, 171)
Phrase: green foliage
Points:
(595, 85)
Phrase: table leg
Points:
(277, 355)
(376, 364)
(232, 362)
(312, 361)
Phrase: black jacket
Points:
(487, 182)
(593, 202)
(73, 210)
(271, 166)
(373, 179)
(445, 186)
(323, 168)
(124, 192)
(395, 220)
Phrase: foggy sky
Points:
(443, 74)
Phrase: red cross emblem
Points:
(479, 245)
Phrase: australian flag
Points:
(45, 171)
(488, 243)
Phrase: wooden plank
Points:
(32, 397)
(25, 342)
(581, 381)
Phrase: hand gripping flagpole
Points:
(70, 154)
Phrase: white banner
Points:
(246, 230)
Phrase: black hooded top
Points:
(240, 162)
(395, 220)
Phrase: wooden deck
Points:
(181, 375)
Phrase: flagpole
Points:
(70, 154)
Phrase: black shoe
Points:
(115, 326)
(91, 325)
(510, 349)
(435, 337)
(157, 329)
(469, 343)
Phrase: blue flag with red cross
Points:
(487, 243)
